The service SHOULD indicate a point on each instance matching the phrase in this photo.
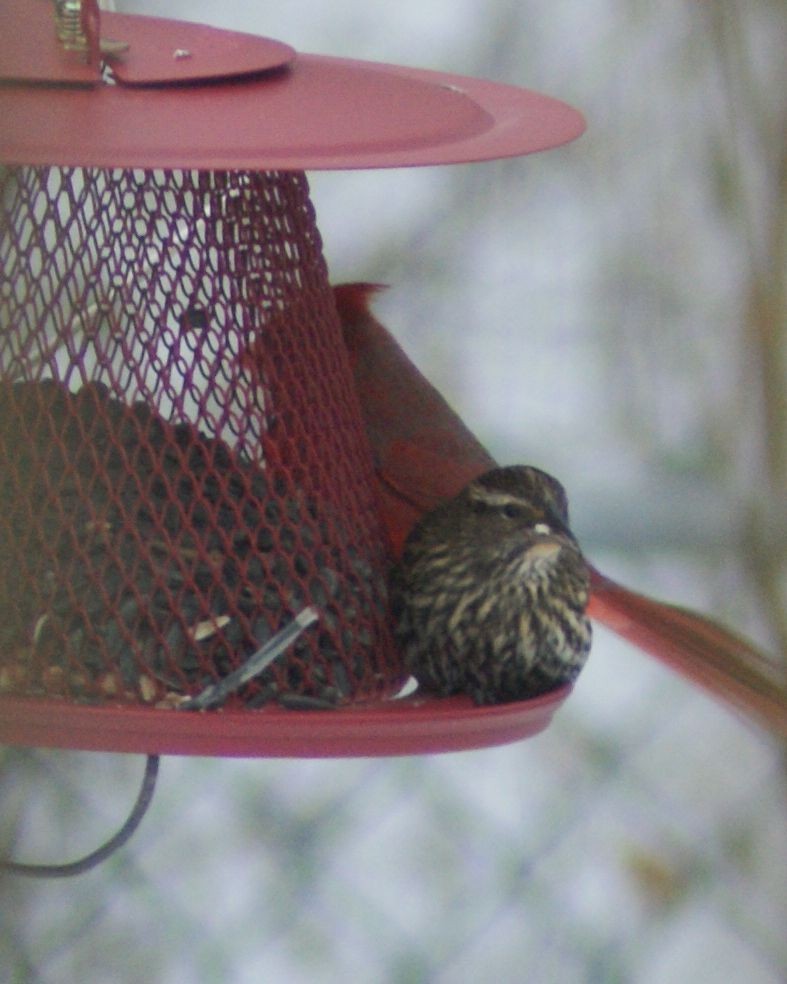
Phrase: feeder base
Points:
(409, 726)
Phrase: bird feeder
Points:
(184, 471)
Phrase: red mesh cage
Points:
(183, 465)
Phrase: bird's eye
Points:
(512, 511)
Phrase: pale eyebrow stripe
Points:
(498, 498)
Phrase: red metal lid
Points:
(146, 50)
(30, 51)
(303, 112)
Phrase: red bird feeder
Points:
(184, 467)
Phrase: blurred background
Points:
(614, 312)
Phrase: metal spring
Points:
(69, 25)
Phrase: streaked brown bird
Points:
(489, 595)
(424, 454)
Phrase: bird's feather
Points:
(424, 454)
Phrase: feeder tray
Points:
(184, 463)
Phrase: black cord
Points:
(108, 848)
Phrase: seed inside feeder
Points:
(142, 561)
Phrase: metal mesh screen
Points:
(183, 464)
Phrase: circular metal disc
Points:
(410, 726)
(316, 113)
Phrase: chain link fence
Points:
(588, 310)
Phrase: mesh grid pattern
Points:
(183, 459)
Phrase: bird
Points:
(424, 455)
(422, 451)
(489, 595)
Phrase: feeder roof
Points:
(187, 96)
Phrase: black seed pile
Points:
(142, 560)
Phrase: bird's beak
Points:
(545, 548)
